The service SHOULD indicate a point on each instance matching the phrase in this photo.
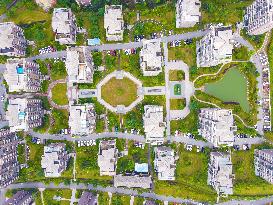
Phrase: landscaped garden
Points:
(63, 193)
(126, 164)
(59, 94)
(177, 104)
(87, 165)
(246, 183)
(191, 178)
(246, 84)
(184, 52)
(119, 91)
(176, 75)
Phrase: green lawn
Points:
(34, 171)
(191, 178)
(59, 94)
(138, 201)
(120, 199)
(178, 104)
(119, 91)
(186, 53)
(87, 165)
(50, 193)
(224, 11)
(58, 70)
(103, 198)
(27, 12)
(176, 75)
(60, 118)
(135, 155)
(246, 183)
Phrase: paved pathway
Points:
(168, 106)
(262, 201)
(124, 191)
(243, 42)
(2, 68)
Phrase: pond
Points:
(231, 88)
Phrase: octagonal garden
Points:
(120, 92)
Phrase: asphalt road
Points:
(128, 136)
(124, 191)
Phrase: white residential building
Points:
(54, 160)
(154, 127)
(151, 58)
(133, 181)
(21, 197)
(88, 198)
(107, 157)
(23, 76)
(24, 114)
(263, 161)
(165, 163)
(187, 13)
(64, 26)
(46, 4)
(12, 40)
(9, 166)
(217, 126)
(215, 47)
(113, 23)
(82, 119)
(79, 65)
(258, 17)
(220, 175)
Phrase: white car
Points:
(189, 147)
(2, 98)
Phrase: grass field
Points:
(176, 75)
(224, 11)
(178, 104)
(120, 199)
(191, 178)
(186, 53)
(50, 193)
(59, 94)
(34, 171)
(119, 91)
(135, 155)
(86, 166)
(25, 14)
(246, 183)
(103, 198)
(60, 118)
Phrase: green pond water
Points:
(231, 88)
